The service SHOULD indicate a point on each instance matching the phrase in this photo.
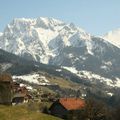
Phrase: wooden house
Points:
(21, 94)
(21, 98)
(61, 107)
(5, 89)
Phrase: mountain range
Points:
(62, 49)
(53, 42)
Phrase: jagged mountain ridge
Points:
(32, 35)
(51, 41)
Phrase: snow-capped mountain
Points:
(51, 41)
(38, 38)
(1, 33)
(113, 37)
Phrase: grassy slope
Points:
(63, 82)
(21, 113)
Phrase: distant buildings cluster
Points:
(12, 93)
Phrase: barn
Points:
(61, 107)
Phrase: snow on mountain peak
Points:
(1, 33)
(51, 21)
(113, 37)
(48, 23)
(26, 37)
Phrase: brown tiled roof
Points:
(72, 103)
(5, 78)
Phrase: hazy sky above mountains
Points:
(94, 16)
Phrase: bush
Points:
(93, 110)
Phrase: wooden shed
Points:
(61, 107)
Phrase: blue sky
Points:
(95, 16)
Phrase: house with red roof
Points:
(61, 107)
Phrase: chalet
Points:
(5, 89)
(21, 94)
(61, 107)
(21, 98)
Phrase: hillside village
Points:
(17, 93)
(13, 94)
